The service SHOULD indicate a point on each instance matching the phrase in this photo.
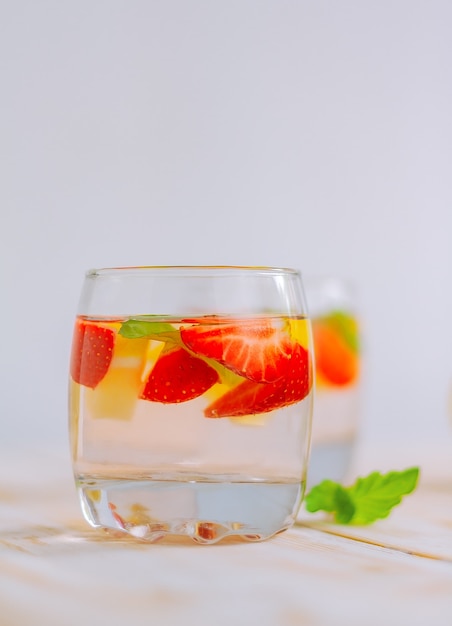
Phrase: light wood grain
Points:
(56, 571)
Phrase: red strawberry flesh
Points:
(250, 398)
(177, 376)
(92, 351)
(254, 349)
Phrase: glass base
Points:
(201, 510)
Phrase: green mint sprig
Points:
(368, 499)
(346, 326)
(146, 327)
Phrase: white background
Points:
(312, 134)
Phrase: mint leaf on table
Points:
(367, 500)
(331, 497)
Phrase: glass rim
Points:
(218, 270)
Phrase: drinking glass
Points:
(333, 309)
(190, 400)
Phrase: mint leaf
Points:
(376, 495)
(138, 328)
(369, 499)
(346, 326)
(331, 497)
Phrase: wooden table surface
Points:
(57, 571)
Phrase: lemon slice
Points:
(299, 331)
(116, 395)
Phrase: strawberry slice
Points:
(250, 397)
(92, 351)
(336, 362)
(254, 349)
(177, 376)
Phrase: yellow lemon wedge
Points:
(300, 332)
(116, 395)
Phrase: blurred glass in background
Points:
(332, 305)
